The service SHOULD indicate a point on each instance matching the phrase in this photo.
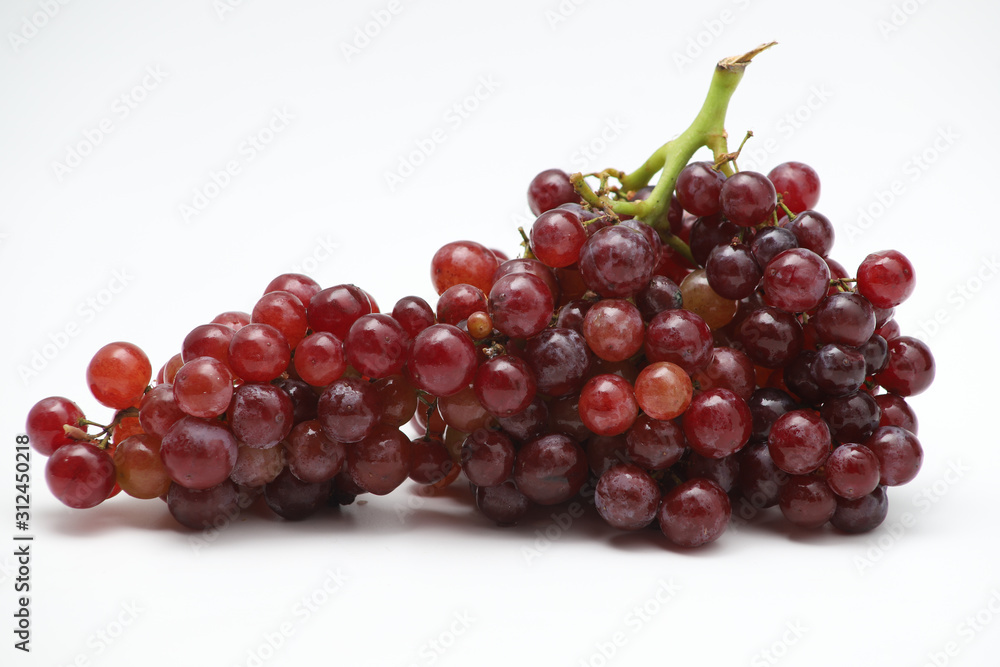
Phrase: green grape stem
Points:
(101, 439)
(707, 129)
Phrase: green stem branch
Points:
(707, 129)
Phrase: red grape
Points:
(80, 475)
(118, 375)
(45, 422)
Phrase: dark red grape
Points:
(258, 353)
(729, 369)
(336, 308)
(895, 411)
(303, 287)
(759, 480)
(770, 337)
(45, 423)
(557, 237)
(460, 301)
(627, 497)
(284, 312)
(348, 410)
(381, 462)
(718, 423)
(80, 475)
(796, 280)
(680, 337)
(807, 501)
(694, 513)
(607, 405)
(504, 385)
(838, 370)
(846, 318)
(655, 444)
(617, 262)
(709, 232)
(813, 231)
(910, 368)
(799, 442)
(852, 471)
(551, 469)
(521, 305)
(732, 271)
(863, 514)
(487, 457)
(311, 456)
(502, 503)
(202, 509)
(798, 185)
(560, 360)
(442, 360)
(198, 454)
(771, 242)
(748, 198)
(886, 278)
(698, 188)
(376, 345)
(899, 454)
(293, 499)
(463, 262)
(261, 415)
(766, 405)
(319, 359)
(208, 340)
(413, 314)
(550, 189)
(431, 463)
(613, 329)
(658, 295)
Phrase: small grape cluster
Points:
(664, 374)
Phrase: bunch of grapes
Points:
(667, 369)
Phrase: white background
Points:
(892, 102)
